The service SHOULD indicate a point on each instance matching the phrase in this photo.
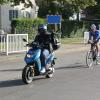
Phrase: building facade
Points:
(7, 13)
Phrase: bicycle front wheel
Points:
(89, 59)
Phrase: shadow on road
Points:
(71, 66)
(10, 70)
(11, 83)
(18, 82)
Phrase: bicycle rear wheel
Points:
(98, 60)
(89, 59)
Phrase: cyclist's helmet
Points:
(93, 26)
(42, 29)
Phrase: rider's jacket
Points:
(46, 40)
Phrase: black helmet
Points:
(42, 29)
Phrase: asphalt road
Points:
(72, 80)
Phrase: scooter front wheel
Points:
(27, 74)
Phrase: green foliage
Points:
(98, 1)
(81, 4)
(53, 7)
(94, 11)
(63, 7)
(69, 28)
(3, 1)
(74, 28)
(26, 26)
(76, 40)
(43, 10)
(8, 1)
(17, 2)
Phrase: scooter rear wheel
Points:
(50, 74)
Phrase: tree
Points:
(81, 5)
(27, 3)
(93, 11)
(3, 1)
(98, 1)
(53, 7)
(64, 7)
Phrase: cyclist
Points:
(94, 36)
(99, 27)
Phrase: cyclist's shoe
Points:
(98, 55)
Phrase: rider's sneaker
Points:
(43, 71)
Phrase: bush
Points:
(74, 28)
(69, 28)
(26, 26)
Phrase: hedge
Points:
(69, 28)
(26, 26)
(74, 28)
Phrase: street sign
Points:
(54, 19)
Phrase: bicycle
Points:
(92, 56)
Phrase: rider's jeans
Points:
(44, 57)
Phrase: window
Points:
(13, 14)
(26, 14)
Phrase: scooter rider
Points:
(44, 38)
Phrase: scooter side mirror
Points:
(24, 40)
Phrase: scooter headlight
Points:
(28, 56)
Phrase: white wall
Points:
(0, 17)
(5, 22)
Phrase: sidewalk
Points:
(63, 49)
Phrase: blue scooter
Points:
(34, 65)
